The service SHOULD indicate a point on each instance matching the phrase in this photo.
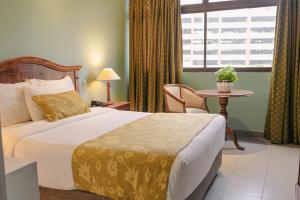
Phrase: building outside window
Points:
(217, 33)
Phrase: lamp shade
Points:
(108, 74)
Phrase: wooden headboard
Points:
(22, 68)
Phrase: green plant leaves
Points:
(227, 74)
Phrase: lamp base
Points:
(108, 102)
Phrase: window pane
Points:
(193, 40)
(188, 2)
(242, 38)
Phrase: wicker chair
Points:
(183, 99)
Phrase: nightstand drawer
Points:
(125, 107)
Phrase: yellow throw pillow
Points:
(62, 105)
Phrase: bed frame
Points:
(22, 68)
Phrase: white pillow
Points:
(65, 82)
(42, 89)
(12, 104)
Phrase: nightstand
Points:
(21, 179)
(122, 105)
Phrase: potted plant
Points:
(226, 77)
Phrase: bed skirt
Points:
(198, 194)
(297, 192)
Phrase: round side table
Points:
(223, 101)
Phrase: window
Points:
(193, 42)
(186, 31)
(217, 33)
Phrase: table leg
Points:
(223, 101)
(231, 133)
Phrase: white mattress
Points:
(52, 145)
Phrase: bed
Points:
(52, 146)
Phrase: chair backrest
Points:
(173, 89)
(178, 97)
(173, 100)
(190, 97)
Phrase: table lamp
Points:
(108, 74)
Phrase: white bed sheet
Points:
(52, 146)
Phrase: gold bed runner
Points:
(134, 161)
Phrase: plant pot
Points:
(224, 86)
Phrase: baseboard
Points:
(251, 136)
(250, 133)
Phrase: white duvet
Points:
(52, 145)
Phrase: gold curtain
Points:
(283, 120)
(155, 51)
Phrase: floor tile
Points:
(247, 178)
(229, 164)
(245, 186)
(261, 172)
(279, 192)
(239, 197)
(282, 173)
(214, 194)
(220, 182)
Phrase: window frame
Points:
(206, 7)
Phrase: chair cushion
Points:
(195, 110)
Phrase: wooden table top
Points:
(233, 93)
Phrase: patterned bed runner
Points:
(135, 160)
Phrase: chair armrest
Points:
(201, 101)
(192, 99)
(174, 104)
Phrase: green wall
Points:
(247, 113)
(69, 32)
(94, 33)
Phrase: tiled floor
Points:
(261, 172)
